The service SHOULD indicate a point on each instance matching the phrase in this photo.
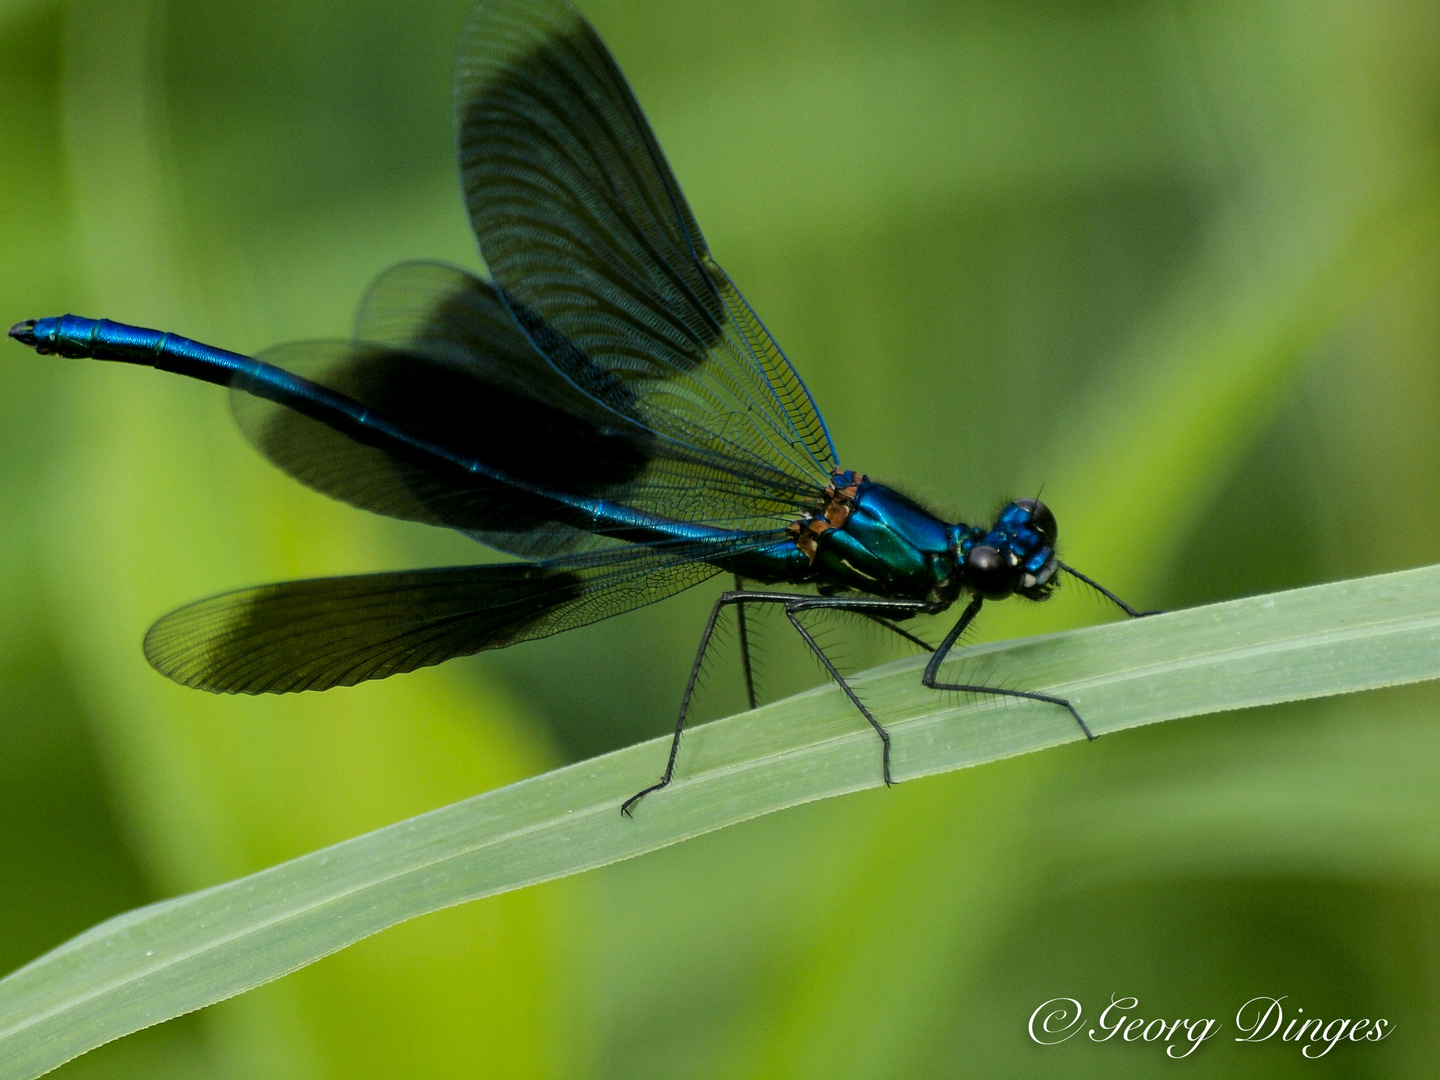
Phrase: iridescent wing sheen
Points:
(589, 238)
(437, 353)
(312, 635)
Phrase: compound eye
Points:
(988, 573)
(1041, 519)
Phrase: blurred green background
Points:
(1178, 262)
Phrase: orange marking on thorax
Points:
(834, 513)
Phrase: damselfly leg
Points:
(932, 669)
(794, 605)
(938, 657)
(744, 637)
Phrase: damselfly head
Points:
(1017, 555)
(1041, 518)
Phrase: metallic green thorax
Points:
(868, 538)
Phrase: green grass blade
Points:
(180, 955)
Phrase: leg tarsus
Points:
(1029, 695)
(633, 799)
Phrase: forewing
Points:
(445, 362)
(312, 635)
(596, 252)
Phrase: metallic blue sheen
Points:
(886, 545)
(79, 338)
(889, 546)
(100, 339)
(878, 506)
(779, 562)
(606, 407)
(1016, 536)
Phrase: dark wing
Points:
(312, 635)
(437, 353)
(585, 231)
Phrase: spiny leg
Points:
(895, 629)
(684, 706)
(744, 645)
(1121, 604)
(740, 598)
(790, 613)
(938, 658)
